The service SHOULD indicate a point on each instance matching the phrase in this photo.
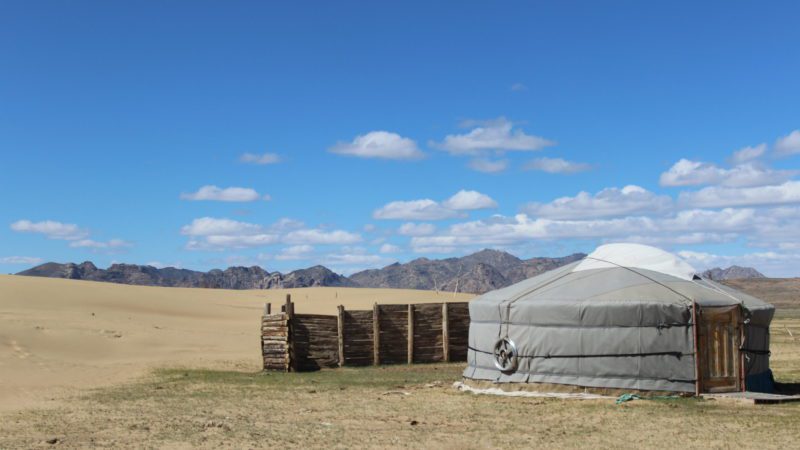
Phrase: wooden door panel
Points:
(719, 338)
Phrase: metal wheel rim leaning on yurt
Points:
(627, 317)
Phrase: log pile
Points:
(275, 341)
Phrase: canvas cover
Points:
(607, 325)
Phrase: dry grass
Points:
(398, 406)
(60, 335)
(50, 331)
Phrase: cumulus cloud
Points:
(486, 165)
(389, 248)
(465, 200)
(748, 154)
(662, 240)
(113, 244)
(788, 145)
(720, 196)
(776, 264)
(316, 236)
(28, 260)
(416, 229)
(425, 209)
(379, 144)
(607, 203)
(557, 165)
(209, 233)
(295, 252)
(691, 173)
(209, 226)
(352, 259)
(262, 159)
(519, 229)
(51, 229)
(493, 135)
(231, 194)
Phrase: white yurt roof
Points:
(636, 256)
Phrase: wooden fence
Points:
(387, 334)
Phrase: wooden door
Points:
(719, 335)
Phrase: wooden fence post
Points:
(376, 336)
(445, 334)
(267, 309)
(289, 310)
(340, 325)
(410, 333)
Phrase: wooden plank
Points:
(697, 382)
(410, 333)
(340, 333)
(289, 309)
(445, 334)
(376, 336)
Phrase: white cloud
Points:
(231, 194)
(285, 224)
(352, 259)
(776, 264)
(98, 245)
(788, 145)
(51, 229)
(691, 173)
(379, 144)
(219, 242)
(263, 159)
(518, 87)
(486, 165)
(416, 229)
(425, 209)
(389, 248)
(209, 226)
(501, 230)
(748, 154)
(315, 236)
(210, 233)
(295, 252)
(557, 165)
(493, 135)
(20, 260)
(607, 203)
(718, 196)
(465, 200)
(677, 239)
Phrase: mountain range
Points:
(476, 273)
(731, 273)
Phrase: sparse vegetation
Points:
(393, 406)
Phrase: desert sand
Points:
(59, 336)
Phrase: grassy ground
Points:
(397, 406)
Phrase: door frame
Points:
(702, 352)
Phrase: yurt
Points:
(627, 317)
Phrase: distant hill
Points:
(231, 278)
(784, 293)
(731, 273)
(477, 273)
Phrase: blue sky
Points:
(209, 134)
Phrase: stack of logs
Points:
(387, 334)
(275, 343)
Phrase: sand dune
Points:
(57, 335)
